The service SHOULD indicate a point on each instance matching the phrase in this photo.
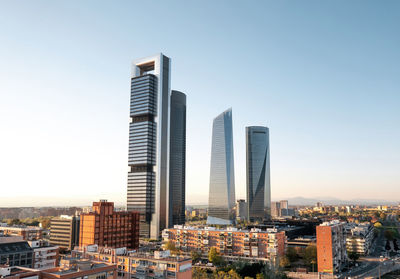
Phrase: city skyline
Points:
(323, 78)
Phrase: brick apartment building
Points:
(230, 242)
(106, 227)
(331, 247)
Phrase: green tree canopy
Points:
(310, 254)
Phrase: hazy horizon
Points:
(323, 76)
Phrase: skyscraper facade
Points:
(177, 159)
(258, 173)
(221, 201)
(148, 159)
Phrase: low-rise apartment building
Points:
(331, 247)
(230, 242)
(16, 254)
(69, 269)
(139, 265)
(45, 256)
(359, 238)
(27, 233)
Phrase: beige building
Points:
(230, 242)
(139, 265)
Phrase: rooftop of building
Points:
(227, 229)
(332, 223)
(72, 264)
(14, 247)
(20, 228)
(161, 256)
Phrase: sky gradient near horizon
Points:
(324, 76)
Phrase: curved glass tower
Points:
(221, 201)
(258, 173)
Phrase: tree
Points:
(354, 256)
(45, 223)
(284, 261)
(171, 246)
(231, 274)
(310, 255)
(199, 273)
(291, 253)
(378, 225)
(389, 234)
(214, 257)
(196, 256)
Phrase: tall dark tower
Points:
(177, 157)
(258, 173)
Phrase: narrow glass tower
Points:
(258, 173)
(177, 176)
(221, 200)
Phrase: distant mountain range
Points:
(335, 201)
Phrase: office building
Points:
(231, 242)
(331, 247)
(159, 264)
(275, 209)
(157, 147)
(16, 254)
(284, 205)
(27, 232)
(64, 231)
(241, 210)
(106, 227)
(258, 173)
(177, 176)
(221, 200)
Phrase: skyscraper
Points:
(221, 200)
(177, 159)
(148, 159)
(258, 173)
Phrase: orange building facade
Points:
(231, 242)
(331, 247)
(109, 228)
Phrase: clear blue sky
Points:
(324, 76)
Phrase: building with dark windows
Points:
(16, 254)
(148, 160)
(258, 173)
(106, 227)
(177, 175)
(64, 231)
(221, 201)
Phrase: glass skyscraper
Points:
(148, 158)
(177, 158)
(221, 201)
(258, 173)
